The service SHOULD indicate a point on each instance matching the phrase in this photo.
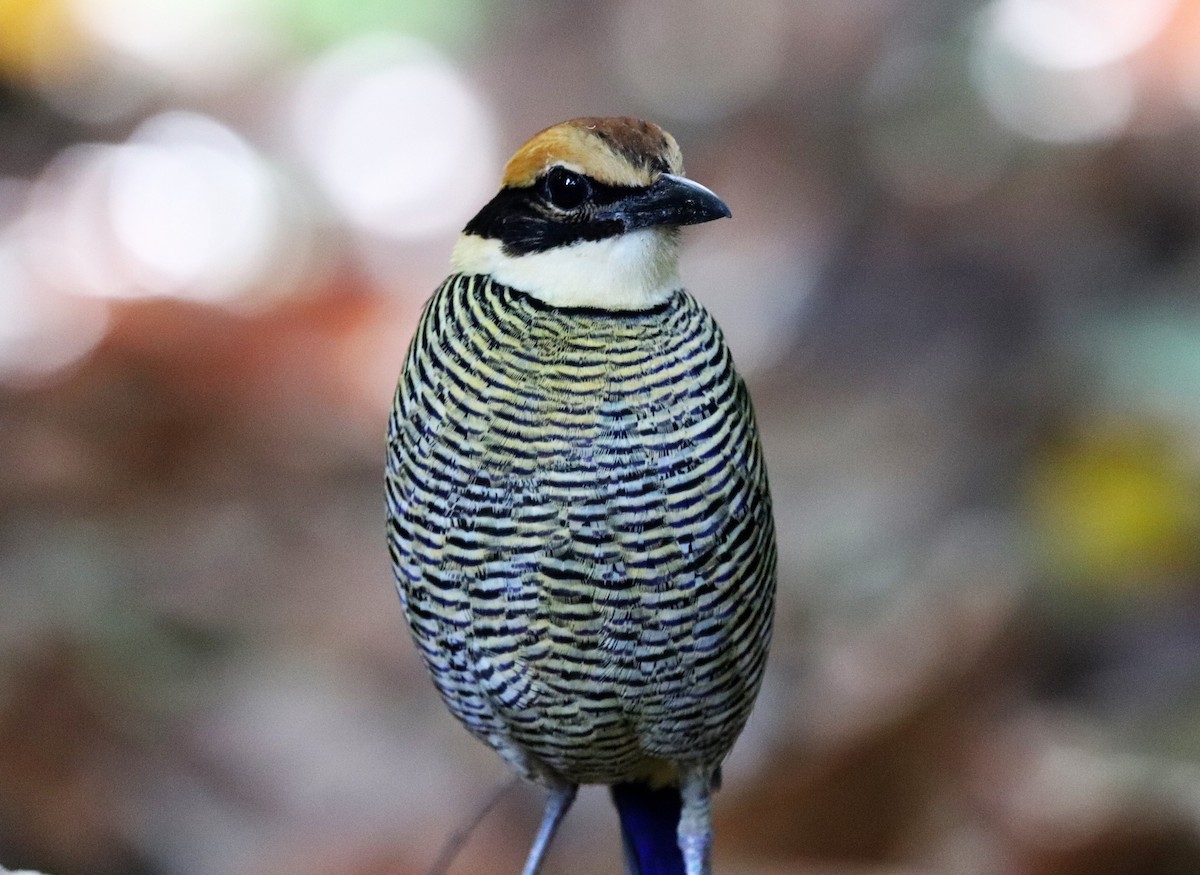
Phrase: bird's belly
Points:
(588, 729)
(587, 621)
(594, 687)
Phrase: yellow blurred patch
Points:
(1115, 508)
(38, 40)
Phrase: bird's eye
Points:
(566, 189)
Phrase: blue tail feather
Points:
(649, 820)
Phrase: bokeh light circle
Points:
(185, 208)
(396, 138)
(1060, 103)
(1073, 34)
(201, 44)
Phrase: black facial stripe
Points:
(524, 223)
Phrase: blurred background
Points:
(961, 279)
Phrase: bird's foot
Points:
(695, 822)
(560, 799)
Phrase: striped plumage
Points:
(580, 528)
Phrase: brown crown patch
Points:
(617, 151)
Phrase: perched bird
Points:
(577, 504)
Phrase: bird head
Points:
(588, 216)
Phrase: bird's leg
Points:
(560, 799)
(695, 822)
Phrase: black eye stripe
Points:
(524, 221)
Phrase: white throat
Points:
(631, 271)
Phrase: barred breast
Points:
(580, 527)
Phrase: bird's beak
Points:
(671, 200)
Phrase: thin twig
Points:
(458, 839)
